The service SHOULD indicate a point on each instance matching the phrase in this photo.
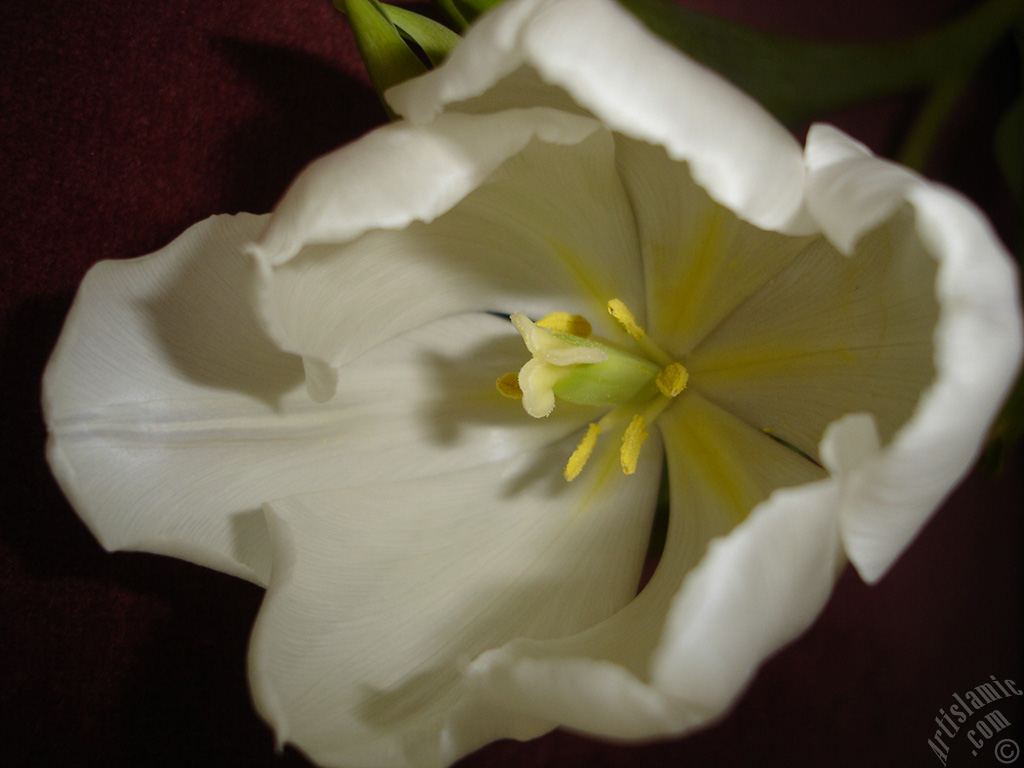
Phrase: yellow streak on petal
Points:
(632, 441)
(508, 385)
(579, 457)
(693, 286)
(672, 380)
(563, 322)
(579, 268)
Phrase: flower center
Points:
(569, 365)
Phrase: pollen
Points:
(672, 380)
(632, 441)
(563, 322)
(626, 319)
(508, 385)
(582, 453)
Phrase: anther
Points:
(621, 312)
(508, 385)
(632, 441)
(625, 318)
(563, 322)
(672, 380)
(582, 453)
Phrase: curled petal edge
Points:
(893, 489)
(680, 693)
(650, 91)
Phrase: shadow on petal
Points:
(204, 322)
(468, 404)
(482, 365)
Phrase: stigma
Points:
(635, 386)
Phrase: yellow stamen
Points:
(563, 322)
(579, 457)
(627, 320)
(672, 380)
(632, 441)
(595, 373)
(620, 312)
(508, 385)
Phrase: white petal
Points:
(381, 594)
(521, 211)
(829, 335)
(700, 260)
(756, 590)
(173, 418)
(489, 52)
(400, 173)
(679, 653)
(143, 337)
(893, 491)
(634, 83)
(976, 343)
(850, 192)
(762, 585)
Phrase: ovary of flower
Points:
(589, 372)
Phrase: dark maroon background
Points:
(121, 123)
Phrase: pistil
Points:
(566, 364)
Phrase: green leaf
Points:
(434, 39)
(388, 58)
(797, 79)
(470, 9)
(457, 20)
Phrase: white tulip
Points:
(307, 400)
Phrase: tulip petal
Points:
(833, 335)
(683, 650)
(648, 91)
(380, 595)
(756, 590)
(849, 191)
(173, 418)
(977, 353)
(495, 213)
(828, 335)
(701, 261)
